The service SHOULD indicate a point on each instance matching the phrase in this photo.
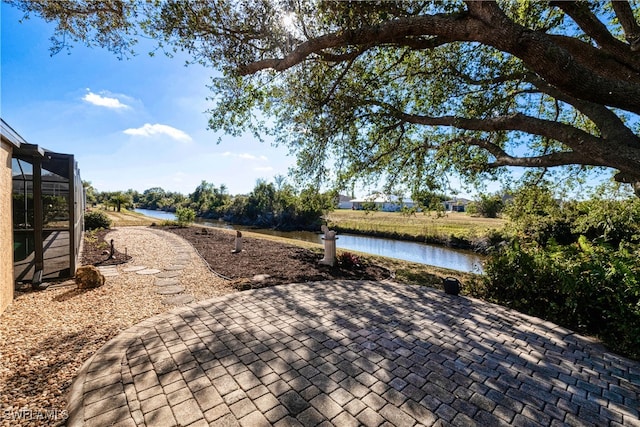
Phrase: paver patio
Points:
(352, 353)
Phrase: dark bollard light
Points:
(451, 285)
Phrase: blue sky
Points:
(136, 123)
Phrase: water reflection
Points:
(438, 256)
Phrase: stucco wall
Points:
(6, 228)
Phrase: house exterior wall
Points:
(6, 227)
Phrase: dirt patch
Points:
(281, 262)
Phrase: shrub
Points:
(96, 219)
(487, 206)
(588, 287)
(349, 261)
(185, 216)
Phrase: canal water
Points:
(439, 256)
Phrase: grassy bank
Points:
(127, 218)
(453, 229)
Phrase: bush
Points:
(576, 264)
(185, 216)
(349, 260)
(487, 206)
(588, 287)
(96, 219)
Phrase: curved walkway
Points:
(168, 261)
(349, 354)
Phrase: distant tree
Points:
(536, 214)
(488, 206)
(152, 197)
(405, 91)
(208, 200)
(430, 200)
(90, 193)
(118, 199)
(280, 181)
(311, 200)
(133, 195)
(260, 203)
(536, 201)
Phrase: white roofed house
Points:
(382, 202)
(457, 204)
(344, 202)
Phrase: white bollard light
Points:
(329, 247)
(238, 248)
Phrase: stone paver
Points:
(168, 274)
(178, 299)
(148, 271)
(108, 270)
(169, 290)
(134, 268)
(166, 282)
(352, 353)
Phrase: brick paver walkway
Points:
(349, 354)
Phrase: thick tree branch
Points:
(586, 148)
(594, 28)
(502, 158)
(348, 56)
(539, 51)
(611, 127)
(568, 135)
(629, 25)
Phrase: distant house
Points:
(344, 202)
(383, 202)
(456, 204)
(42, 212)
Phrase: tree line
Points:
(268, 205)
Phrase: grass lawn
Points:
(415, 226)
(126, 218)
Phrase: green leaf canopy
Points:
(405, 92)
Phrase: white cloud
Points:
(158, 129)
(104, 101)
(263, 169)
(245, 156)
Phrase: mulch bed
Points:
(281, 262)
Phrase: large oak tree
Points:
(404, 91)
